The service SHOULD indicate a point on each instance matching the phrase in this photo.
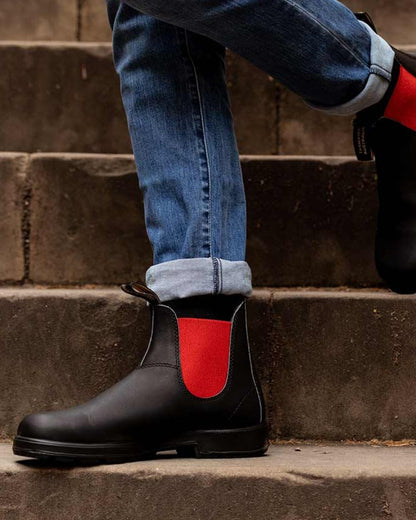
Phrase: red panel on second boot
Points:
(204, 353)
(402, 104)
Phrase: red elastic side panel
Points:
(204, 347)
(402, 104)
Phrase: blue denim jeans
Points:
(170, 58)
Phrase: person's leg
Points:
(317, 48)
(387, 131)
(177, 106)
(195, 390)
(338, 64)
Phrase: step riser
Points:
(66, 98)
(39, 20)
(87, 20)
(60, 98)
(48, 20)
(341, 366)
(303, 131)
(333, 365)
(311, 221)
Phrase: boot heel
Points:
(242, 442)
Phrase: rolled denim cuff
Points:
(197, 276)
(381, 66)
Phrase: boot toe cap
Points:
(37, 426)
(61, 426)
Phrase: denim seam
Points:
(329, 31)
(204, 140)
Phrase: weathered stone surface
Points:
(66, 97)
(98, 233)
(57, 20)
(311, 221)
(94, 21)
(334, 365)
(38, 20)
(254, 105)
(301, 483)
(395, 21)
(342, 364)
(12, 204)
(60, 97)
(304, 131)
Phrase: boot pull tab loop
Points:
(140, 291)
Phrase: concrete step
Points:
(334, 365)
(86, 20)
(59, 20)
(65, 97)
(311, 220)
(302, 482)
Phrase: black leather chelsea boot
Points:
(387, 131)
(195, 392)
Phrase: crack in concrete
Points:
(26, 225)
(278, 116)
(78, 34)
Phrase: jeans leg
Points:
(180, 123)
(317, 48)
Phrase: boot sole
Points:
(242, 442)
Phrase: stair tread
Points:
(301, 482)
(326, 461)
(75, 291)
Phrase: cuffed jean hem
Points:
(381, 66)
(196, 276)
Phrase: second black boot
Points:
(195, 391)
(387, 131)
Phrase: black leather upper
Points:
(394, 148)
(152, 402)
